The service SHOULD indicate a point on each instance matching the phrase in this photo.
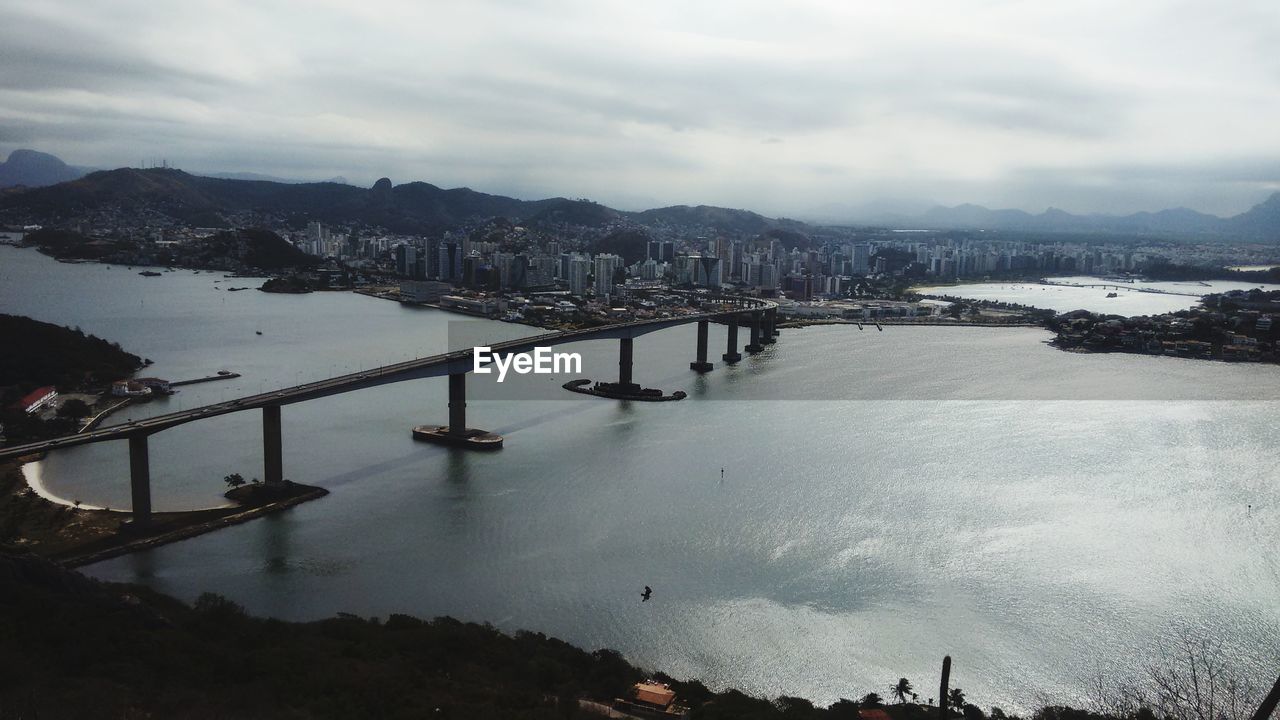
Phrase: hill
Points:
(78, 648)
(35, 169)
(414, 207)
(268, 178)
(249, 248)
(573, 212)
(39, 353)
(75, 647)
(715, 219)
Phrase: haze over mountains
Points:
(421, 207)
(36, 169)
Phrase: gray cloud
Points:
(1084, 105)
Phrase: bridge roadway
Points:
(1154, 291)
(446, 364)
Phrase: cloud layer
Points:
(781, 107)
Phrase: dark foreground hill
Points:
(39, 353)
(72, 647)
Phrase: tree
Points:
(871, 700)
(1190, 678)
(902, 690)
(843, 709)
(234, 480)
(955, 698)
(73, 408)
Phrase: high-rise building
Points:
(578, 272)
(707, 271)
(724, 253)
(861, 259)
(450, 261)
(606, 265)
(406, 260)
(541, 272)
(661, 250)
(649, 269)
(768, 277)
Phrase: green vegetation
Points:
(252, 248)
(1174, 272)
(29, 522)
(290, 284)
(68, 244)
(72, 647)
(39, 353)
(248, 249)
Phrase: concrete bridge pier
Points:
(625, 355)
(701, 364)
(272, 449)
(731, 354)
(457, 403)
(140, 480)
(456, 433)
(770, 326)
(756, 322)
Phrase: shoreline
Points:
(903, 322)
(185, 531)
(32, 474)
(43, 523)
(35, 480)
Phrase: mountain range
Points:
(418, 207)
(1261, 222)
(415, 207)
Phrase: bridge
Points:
(1113, 285)
(760, 316)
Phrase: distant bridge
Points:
(1156, 291)
(759, 315)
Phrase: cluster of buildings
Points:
(860, 309)
(37, 400)
(1226, 328)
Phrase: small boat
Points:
(259, 332)
(149, 273)
(1111, 295)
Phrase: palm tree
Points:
(871, 700)
(902, 690)
(955, 698)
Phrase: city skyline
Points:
(816, 110)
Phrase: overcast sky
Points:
(783, 106)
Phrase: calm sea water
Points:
(888, 497)
(1129, 300)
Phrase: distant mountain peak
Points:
(32, 168)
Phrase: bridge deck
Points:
(433, 366)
